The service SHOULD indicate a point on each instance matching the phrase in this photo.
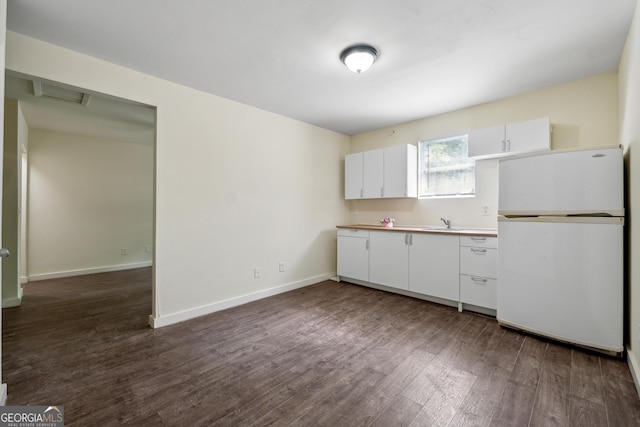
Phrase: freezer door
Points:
(563, 280)
(562, 183)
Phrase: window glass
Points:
(444, 168)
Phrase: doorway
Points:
(90, 159)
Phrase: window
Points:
(444, 168)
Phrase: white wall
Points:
(88, 198)
(630, 137)
(583, 113)
(236, 187)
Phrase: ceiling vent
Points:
(60, 93)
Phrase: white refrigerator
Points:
(560, 246)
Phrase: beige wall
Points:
(630, 137)
(88, 198)
(236, 187)
(583, 113)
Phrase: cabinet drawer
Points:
(479, 241)
(476, 261)
(353, 232)
(480, 291)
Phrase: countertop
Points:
(463, 231)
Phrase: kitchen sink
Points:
(441, 228)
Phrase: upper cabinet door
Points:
(400, 171)
(486, 143)
(373, 174)
(353, 176)
(529, 136)
(510, 139)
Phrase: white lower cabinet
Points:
(389, 259)
(461, 269)
(353, 254)
(433, 265)
(479, 271)
(421, 263)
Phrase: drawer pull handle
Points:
(479, 251)
(479, 280)
(478, 239)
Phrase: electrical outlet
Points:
(124, 251)
(485, 210)
(281, 266)
(257, 273)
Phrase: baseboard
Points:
(634, 368)
(82, 272)
(12, 302)
(3, 395)
(416, 295)
(170, 319)
(24, 280)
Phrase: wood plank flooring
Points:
(332, 354)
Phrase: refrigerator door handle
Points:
(479, 280)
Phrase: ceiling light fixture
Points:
(359, 57)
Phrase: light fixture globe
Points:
(359, 57)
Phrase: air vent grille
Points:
(60, 93)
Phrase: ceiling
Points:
(283, 55)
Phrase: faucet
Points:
(447, 222)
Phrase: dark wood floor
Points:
(332, 354)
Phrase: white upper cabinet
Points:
(400, 171)
(373, 173)
(364, 175)
(510, 139)
(353, 176)
(389, 172)
(487, 143)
